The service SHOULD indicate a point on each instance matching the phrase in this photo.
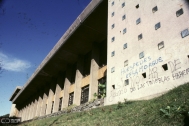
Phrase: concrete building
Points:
(139, 49)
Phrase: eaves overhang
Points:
(89, 27)
(18, 88)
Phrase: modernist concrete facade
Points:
(139, 49)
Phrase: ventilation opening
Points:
(161, 45)
(137, 6)
(139, 37)
(126, 63)
(113, 86)
(144, 75)
(179, 12)
(154, 9)
(126, 82)
(165, 67)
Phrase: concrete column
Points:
(34, 109)
(44, 102)
(26, 110)
(12, 112)
(93, 87)
(67, 84)
(29, 111)
(51, 96)
(23, 113)
(57, 93)
(39, 104)
(79, 76)
(26, 113)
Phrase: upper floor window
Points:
(112, 3)
(113, 14)
(113, 39)
(123, 4)
(123, 17)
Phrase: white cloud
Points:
(13, 64)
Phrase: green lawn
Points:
(136, 113)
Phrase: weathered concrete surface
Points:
(67, 84)
(174, 53)
(93, 88)
(57, 94)
(44, 102)
(78, 79)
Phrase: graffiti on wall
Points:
(140, 66)
(137, 81)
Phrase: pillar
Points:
(78, 79)
(50, 97)
(39, 104)
(44, 102)
(93, 87)
(67, 84)
(34, 108)
(59, 86)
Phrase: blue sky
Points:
(28, 31)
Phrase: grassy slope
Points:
(139, 113)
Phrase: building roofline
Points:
(81, 18)
(18, 88)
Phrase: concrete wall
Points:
(174, 53)
(13, 111)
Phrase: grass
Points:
(136, 113)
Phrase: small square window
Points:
(126, 63)
(184, 33)
(138, 21)
(113, 14)
(154, 9)
(165, 67)
(160, 45)
(125, 46)
(112, 3)
(139, 37)
(113, 53)
(113, 25)
(124, 30)
(123, 17)
(137, 6)
(113, 39)
(144, 75)
(113, 69)
(141, 55)
(157, 26)
(179, 12)
(126, 82)
(113, 86)
(123, 4)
